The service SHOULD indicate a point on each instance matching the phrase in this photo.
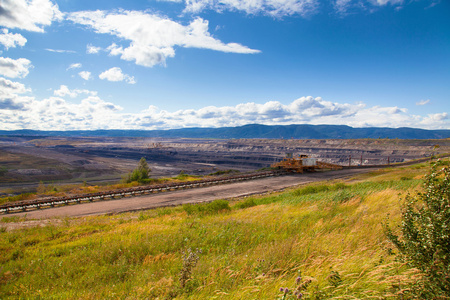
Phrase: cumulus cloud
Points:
(86, 75)
(14, 68)
(423, 102)
(10, 98)
(152, 38)
(92, 49)
(17, 111)
(115, 74)
(303, 110)
(54, 112)
(94, 113)
(8, 88)
(10, 40)
(432, 119)
(65, 91)
(31, 15)
(275, 8)
(439, 116)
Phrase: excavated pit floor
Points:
(26, 161)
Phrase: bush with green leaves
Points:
(140, 174)
(424, 239)
(213, 207)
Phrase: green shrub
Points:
(140, 174)
(249, 202)
(181, 176)
(424, 242)
(225, 172)
(342, 196)
(3, 170)
(213, 207)
(313, 189)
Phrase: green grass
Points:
(250, 248)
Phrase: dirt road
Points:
(197, 195)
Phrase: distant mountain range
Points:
(254, 131)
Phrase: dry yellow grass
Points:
(247, 253)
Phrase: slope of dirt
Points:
(205, 194)
(25, 161)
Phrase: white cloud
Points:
(9, 106)
(60, 51)
(9, 87)
(439, 116)
(432, 119)
(65, 91)
(14, 68)
(10, 40)
(152, 38)
(74, 66)
(275, 8)
(305, 110)
(92, 49)
(95, 113)
(54, 112)
(423, 102)
(10, 98)
(31, 15)
(343, 7)
(115, 74)
(86, 75)
(434, 3)
(385, 2)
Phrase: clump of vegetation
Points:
(225, 172)
(249, 202)
(183, 176)
(424, 239)
(20, 197)
(301, 285)
(313, 189)
(190, 259)
(3, 170)
(140, 174)
(305, 289)
(213, 207)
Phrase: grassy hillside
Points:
(330, 232)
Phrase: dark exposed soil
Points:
(205, 194)
(24, 162)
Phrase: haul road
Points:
(179, 194)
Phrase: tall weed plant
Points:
(423, 240)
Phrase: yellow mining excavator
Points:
(303, 163)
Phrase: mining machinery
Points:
(303, 163)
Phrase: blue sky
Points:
(161, 64)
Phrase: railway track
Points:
(49, 202)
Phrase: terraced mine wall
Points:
(29, 160)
